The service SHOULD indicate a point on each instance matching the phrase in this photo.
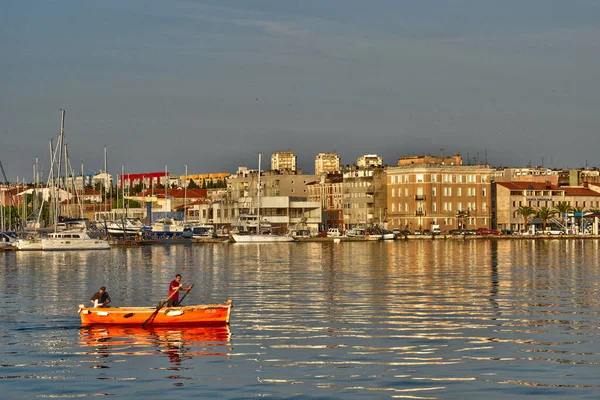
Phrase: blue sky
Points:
(212, 83)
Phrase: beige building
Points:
(428, 159)
(369, 160)
(202, 179)
(326, 162)
(527, 174)
(283, 199)
(328, 191)
(427, 191)
(283, 161)
(362, 188)
(512, 195)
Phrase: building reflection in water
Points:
(177, 343)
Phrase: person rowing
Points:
(174, 287)
(101, 298)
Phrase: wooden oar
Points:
(187, 292)
(159, 307)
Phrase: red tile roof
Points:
(569, 190)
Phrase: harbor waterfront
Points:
(419, 319)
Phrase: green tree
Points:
(192, 185)
(545, 213)
(526, 212)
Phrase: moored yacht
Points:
(73, 240)
(127, 226)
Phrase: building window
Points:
(393, 192)
(433, 191)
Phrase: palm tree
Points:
(563, 208)
(525, 211)
(578, 211)
(545, 213)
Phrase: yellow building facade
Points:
(421, 196)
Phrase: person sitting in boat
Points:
(101, 298)
(174, 287)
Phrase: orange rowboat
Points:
(208, 314)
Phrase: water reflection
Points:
(417, 319)
(177, 344)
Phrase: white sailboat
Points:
(72, 239)
(258, 235)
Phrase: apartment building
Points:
(369, 160)
(328, 191)
(203, 180)
(427, 191)
(326, 162)
(527, 174)
(283, 198)
(283, 161)
(361, 192)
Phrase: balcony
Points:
(420, 197)
(420, 213)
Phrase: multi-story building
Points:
(328, 191)
(527, 174)
(148, 179)
(326, 162)
(283, 161)
(578, 177)
(512, 195)
(369, 160)
(427, 191)
(203, 180)
(361, 208)
(283, 198)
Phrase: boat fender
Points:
(173, 313)
(103, 313)
(128, 315)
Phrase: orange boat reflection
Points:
(176, 342)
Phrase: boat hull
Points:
(261, 238)
(62, 244)
(209, 314)
(28, 244)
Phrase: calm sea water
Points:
(405, 319)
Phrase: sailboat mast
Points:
(105, 180)
(185, 195)
(258, 205)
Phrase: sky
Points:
(211, 83)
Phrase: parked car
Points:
(417, 232)
(427, 232)
(554, 232)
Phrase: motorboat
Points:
(168, 227)
(73, 240)
(125, 226)
(8, 241)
